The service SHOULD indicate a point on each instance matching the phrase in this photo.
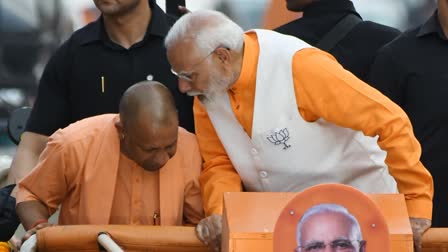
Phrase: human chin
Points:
(152, 167)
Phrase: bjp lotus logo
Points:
(280, 137)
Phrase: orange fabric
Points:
(130, 238)
(79, 169)
(365, 210)
(435, 239)
(249, 227)
(133, 182)
(325, 90)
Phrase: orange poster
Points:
(331, 217)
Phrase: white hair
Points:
(208, 29)
(355, 231)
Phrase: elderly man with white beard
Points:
(273, 113)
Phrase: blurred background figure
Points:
(336, 27)
(402, 14)
(81, 12)
(30, 30)
(250, 14)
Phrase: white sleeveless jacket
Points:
(287, 153)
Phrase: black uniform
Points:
(412, 71)
(71, 87)
(356, 51)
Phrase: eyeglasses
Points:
(340, 245)
(188, 75)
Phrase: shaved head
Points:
(148, 102)
(148, 125)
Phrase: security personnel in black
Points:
(412, 71)
(335, 26)
(90, 71)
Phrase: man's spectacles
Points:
(188, 75)
(339, 245)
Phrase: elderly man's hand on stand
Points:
(419, 226)
(209, 232)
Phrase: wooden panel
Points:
(250, 219)
(130, 238)
(259, 245)
(435, 240)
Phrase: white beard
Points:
(218, 85)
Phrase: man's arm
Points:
(42, 191)
(218, 174)
(389, 77)
(30, 212)
(33, 215)
(325, 90)
(27, 154)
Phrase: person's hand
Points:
(32, 231)
(209, 232)
(15, 243)
(419, 226)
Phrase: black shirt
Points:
(357, 50)
(71, 87)
(412, 71)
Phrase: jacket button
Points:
(263, 174)
(254, 151)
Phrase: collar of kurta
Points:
(432, 26)
(250, 60)
(158, 26)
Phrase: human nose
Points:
(184, 86)
(328, 249)
(162, 158)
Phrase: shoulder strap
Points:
(339, 31)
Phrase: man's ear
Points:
(120, 128)
(223, 54)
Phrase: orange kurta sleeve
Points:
(325, 90)
(193, 206)
(47, 181)
(218, 174)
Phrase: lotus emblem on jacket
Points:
(280, 137)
